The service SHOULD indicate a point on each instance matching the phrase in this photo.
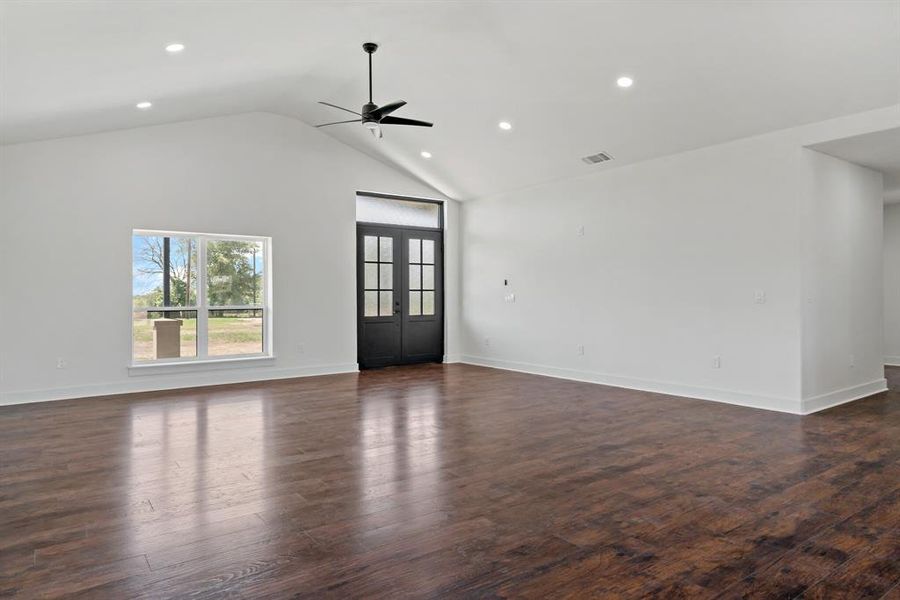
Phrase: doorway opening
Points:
(400, 280)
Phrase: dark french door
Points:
(400, 295)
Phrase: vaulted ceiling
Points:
(704, 72)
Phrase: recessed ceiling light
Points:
(425, 154)
(505, 125)
(143, 105)
(624, 82)
(174, 48)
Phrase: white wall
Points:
(69, 206)
(666, 275)
(843, 294)
(663, 280)
(892, 284)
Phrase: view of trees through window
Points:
(166, 284)
(234, 273)
(150, 271)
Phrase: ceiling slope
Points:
(705, 72)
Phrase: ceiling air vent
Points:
(600, 157)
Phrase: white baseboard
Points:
(170, 382)
(787, 405)
(823, 401)
(452, 358)
(892, 361)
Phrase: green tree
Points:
(151, 298)
(233, 274)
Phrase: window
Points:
(199, 296)
(395, 211)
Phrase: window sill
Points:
(189, 366)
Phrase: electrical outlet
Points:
(580, 350)
(759, 297)
(581, 230)
(61, 363)
(301, 348)
(510, 297)
(487, 342)
(852, 360)
(717, 362)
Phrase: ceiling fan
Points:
(372, 116)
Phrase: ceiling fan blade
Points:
(383, 111)
(339, 122)
(402, 121)
(340, 108)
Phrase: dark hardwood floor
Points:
(444, 482)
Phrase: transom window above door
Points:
(386, 210)
(199, 296)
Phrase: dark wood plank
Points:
(446, 481)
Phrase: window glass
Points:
(386, 244)
(391, 211)
(234, 273)
(428, 252)
(370, 247)
(144, 328)
(415, 303)
(169, 320)
(160, 260)
(386, 278)
(371, 276)
(234, 332)
(378, 277)
(371, 303)
(385, 303)
(427, 303)
(421, 277)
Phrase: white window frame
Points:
(202, 309)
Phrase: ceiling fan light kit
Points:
(373, 116)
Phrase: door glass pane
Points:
(414, 272)
(234, 332)
(386, 282)
(371, 282)
(387, 249)
(428, 277)
(370, 246)
(371, 304)
(415, 303)
(385, 303)
(427, 303)
(415, 255)
(428, 251)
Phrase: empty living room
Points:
(383, 299)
